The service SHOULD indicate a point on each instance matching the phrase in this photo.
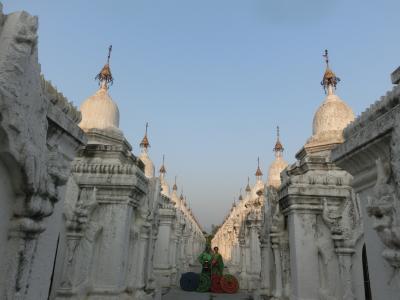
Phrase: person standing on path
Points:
(217, 263)
(205, 260)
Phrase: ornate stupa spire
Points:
(248, 189)
(145, 141)
(175, 187)
(144, 156)
(330, 80)
(277, 166)
(278, 149)
(164, 184)
(240, 195)
(105, 77)
(162, 168)
(258, 174)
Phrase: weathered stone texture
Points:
(39, 137)
(370, 154)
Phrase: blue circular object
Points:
(189, 281)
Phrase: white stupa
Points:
(259, 185)
(164, 183)
(278, 165)
(332, 116)
(144, 156)
(99, 111)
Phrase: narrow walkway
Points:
(178, 294)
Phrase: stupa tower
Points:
(144, 155)
(100, 112)
(332, 116)
(277, 166)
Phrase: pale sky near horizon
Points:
(214, 78)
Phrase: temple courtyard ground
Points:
(178, 294)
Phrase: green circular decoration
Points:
(204, 283)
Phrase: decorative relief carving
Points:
(384, 209)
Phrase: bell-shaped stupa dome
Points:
(278, 165)
(99, 111)
(332, 116)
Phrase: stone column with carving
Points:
(254, 269)
(265, 280)
(162, 262)
(275, 233)
(243, 276)
(304, 185)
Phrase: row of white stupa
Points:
(332, 116)
(101, 112)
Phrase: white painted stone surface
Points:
(369, 153)
(38, 139)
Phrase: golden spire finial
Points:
(326, 56)
(105, 76)
(175, 187)
(330, 79)
(162, 169)
(278, 145)
(109, 54)
(258, 172)
(145, 141)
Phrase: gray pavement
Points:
(178, 294)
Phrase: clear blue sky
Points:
(214, 78)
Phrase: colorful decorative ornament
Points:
(189, 281)
(204, 283)
(229, 284)
(216, 284)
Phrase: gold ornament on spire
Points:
(145, 141)
(278, 145)
(162, 169)
(175, 187)
(258, 172)
(330, 78)
(105, 76)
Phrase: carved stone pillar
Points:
(254, 269)
(277, 292)
(304, 185)
(143, 252)
(162, 263)
(243, 277)
(265, 284)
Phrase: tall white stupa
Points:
(99, 111)
(144, 155)
(278, 165)
(332, 116)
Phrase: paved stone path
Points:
(178, 294)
